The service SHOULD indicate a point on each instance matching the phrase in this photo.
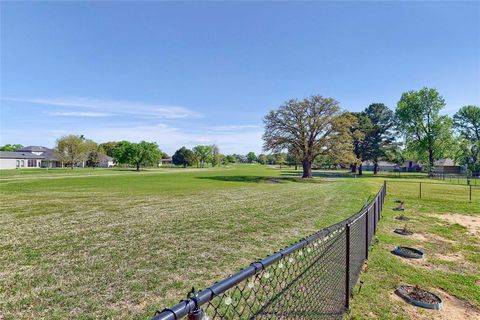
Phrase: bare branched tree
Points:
(312, 127)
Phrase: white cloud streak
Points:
(115, 107)
(80, 114)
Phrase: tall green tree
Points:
(467, 123)
(379, 136)
(72, 149)
(137, 154)
(183, 157)
(251, 157)
(108, 147)
(203, 154)
(427, 133)
(314, 126)
(359, 129)
(94, 153)
(217, 157)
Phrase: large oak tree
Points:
(312, 127)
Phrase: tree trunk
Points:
(375, 167)
(353, 168)
(307, 169)
(184, 164)
(296, 166)
(360, 169)
(431, 162)
(138, 166)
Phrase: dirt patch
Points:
(430, 238)
(452, 309)
(454, 257)
(472, 223)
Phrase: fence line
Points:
(422, 192)
(311, 279)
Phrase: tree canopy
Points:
(73, 149)
(203, 154)
(427, 133)
(183, 157)
(11, 147)
(467, 122)
(313, 126)
(137, 154)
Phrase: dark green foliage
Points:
(427, 133)
(183, 157)
(467, 122)
(137, 154)
(109, 147)
(11, 147)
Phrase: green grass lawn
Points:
(120, 244)
(452, 264)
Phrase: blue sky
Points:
(202, 73)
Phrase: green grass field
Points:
(120, 244)
(452, 264)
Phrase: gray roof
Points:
(445, 163)
(19, 155)
(33, 149)
(49, 155)
(104, 157)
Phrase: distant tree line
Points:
(315, 131)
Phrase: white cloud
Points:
(233, 127)
(80, 114)
(115, 107)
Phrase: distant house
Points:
(447, 166)
(40, 157)
(13, 160)
(382, 166)
(49, 159)
(412, 166)
(105, 161)
(165, 162)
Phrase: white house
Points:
(49, 159)
(13, 160)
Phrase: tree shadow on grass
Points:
(319, 174)
(259, 179)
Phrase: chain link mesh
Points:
(305, 281)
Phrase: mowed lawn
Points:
(447, 227)
(119, 245)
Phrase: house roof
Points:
(104, 157)
(380, 163)
(19, 155)
(445, 163)
(33, 149)
(49, 155)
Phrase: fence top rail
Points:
(435, 183)
(187, 306)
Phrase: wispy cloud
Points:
(80, 114)
(115, 107)
(233, 127)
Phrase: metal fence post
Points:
(420, 194)
(196, 314)
(347, 268)
(375, 218)
(366, 235)
(470, 198)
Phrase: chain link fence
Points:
(311, 279)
